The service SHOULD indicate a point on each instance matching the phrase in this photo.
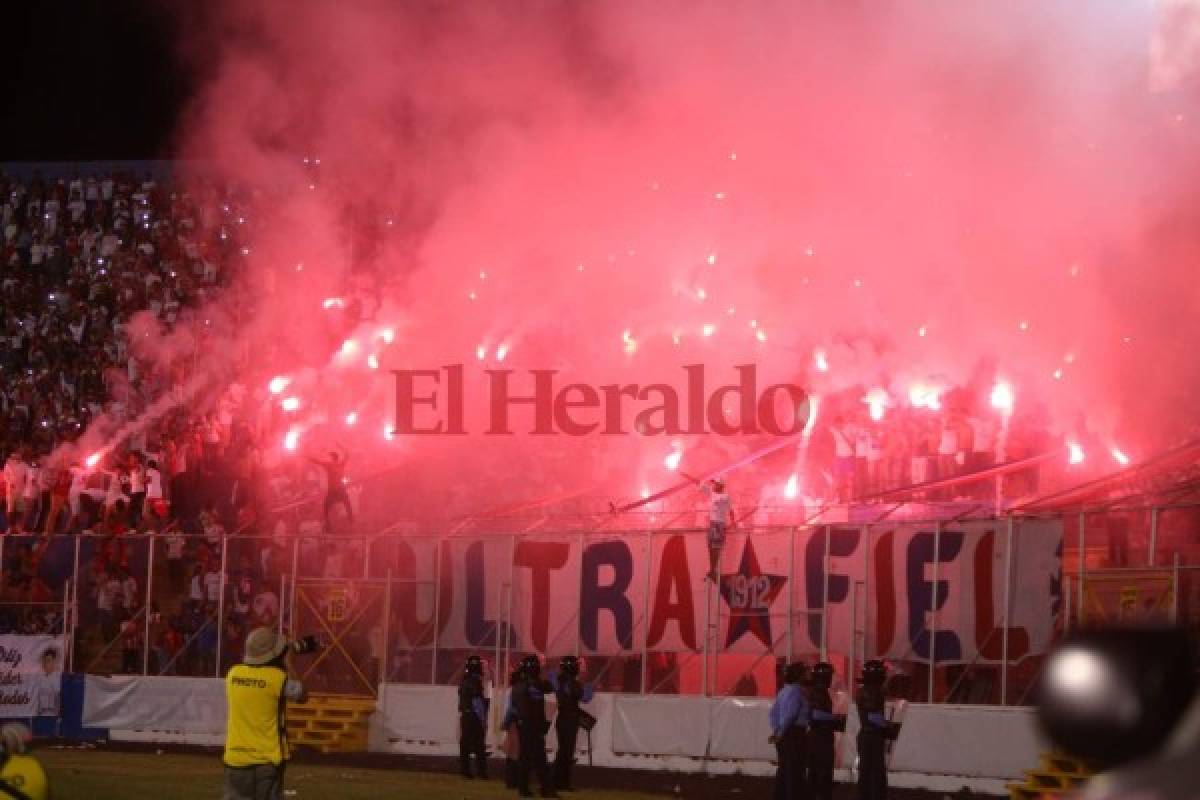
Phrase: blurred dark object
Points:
(1114, 696)
(305, 645)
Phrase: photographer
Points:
(257, 691)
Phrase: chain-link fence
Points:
(961, 610)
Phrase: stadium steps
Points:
(330, 723)
(1056, 774)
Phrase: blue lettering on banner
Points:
(842, 542)
(922, 594)
(594, 597)
(480, 632)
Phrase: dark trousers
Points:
(568, 731)
(338, 496)
(872, 767)
(789, 775)
(471, 742)
(820, 764)
(262, 782)
(533, 759)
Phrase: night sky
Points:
(90, 79)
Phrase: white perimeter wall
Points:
(940, 747)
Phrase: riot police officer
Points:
(872, 733)
(570, 693)
(789, 718)
(472, 717)
(511, 733)
(821, 732)
(529, 702)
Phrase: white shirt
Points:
(153, 484)
(212, 586)
(719, 507)
(949, 442)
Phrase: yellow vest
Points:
(255, 733)
(26, 774)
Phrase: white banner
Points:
(30, 676)
(191, 705)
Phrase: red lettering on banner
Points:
(419, 632)
(885, 594)
(988, 636)
(541, 558)
(674, 578)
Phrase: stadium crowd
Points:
(83, 256)
(90, 263)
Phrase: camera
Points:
(305, 645)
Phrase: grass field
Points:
(114, 775)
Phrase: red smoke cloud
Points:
(616, 190)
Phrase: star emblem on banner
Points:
(749, 593)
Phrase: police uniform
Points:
(570, 693)
(529, 703)
(789, 717)
(872, 734)
(821, 733)
(256, 747)
(472, 713)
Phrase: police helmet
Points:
(822, 674)
(874, 672)
(569, 665)
(531, 666)
(795, 672)
(474, 666)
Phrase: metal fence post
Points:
(387, 629)
(74, 610)
(1008, 548)
(825, 597)
(933, 627)
(645, 612)
(146, 615)
(221, 604)
(1151, 551)
(1175, 590)
(437, 609)
(866, 648)
(512, 574)
(579, 603)
(791, 604)
(708, 635)
(292, 589)
(1082, 571)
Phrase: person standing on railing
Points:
(720, 516)
(789, 717)
(335, 484)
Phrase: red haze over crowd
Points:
(844, 194)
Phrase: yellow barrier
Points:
(330, 723)
(1056, 774)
